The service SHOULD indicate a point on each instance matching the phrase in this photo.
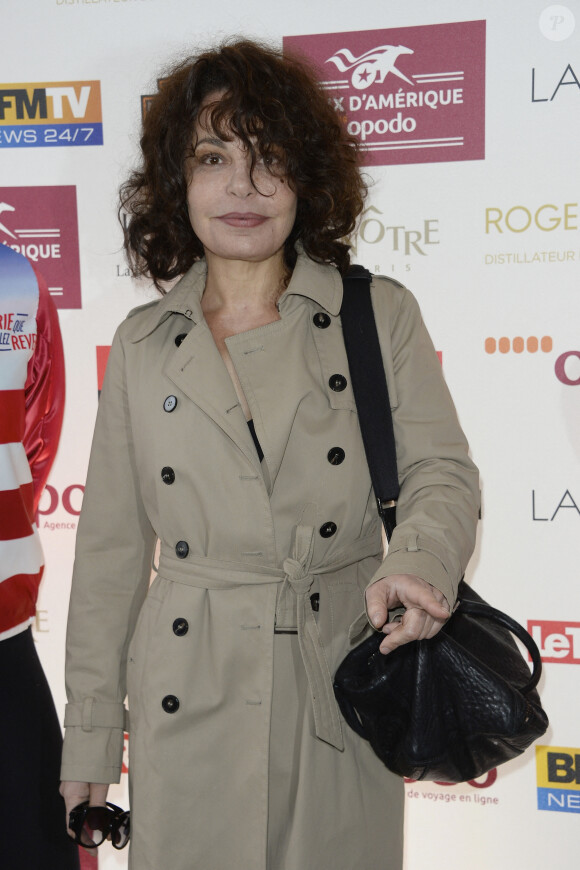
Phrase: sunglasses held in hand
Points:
(93, 825)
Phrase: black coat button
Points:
(180, 627)
(170, 404)
(315, 602)
(336, 455)
(337, 383)
(170, 704)
(180, 338)
(327, 530)
(167, 475)
(321, 320)
(181, 549)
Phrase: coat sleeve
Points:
(114, 550)
(438, 505)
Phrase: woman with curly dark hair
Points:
(227, 435)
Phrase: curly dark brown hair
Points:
(273, 104)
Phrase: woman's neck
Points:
(242, 285)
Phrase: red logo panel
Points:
(411, 94)
(41, 223)
(557, 641)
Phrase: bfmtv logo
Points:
(37, 114)
(372, 66)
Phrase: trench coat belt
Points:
(296, 577)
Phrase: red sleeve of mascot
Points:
(44, 392)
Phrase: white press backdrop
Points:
(498, 259)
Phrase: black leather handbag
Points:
(455, 706)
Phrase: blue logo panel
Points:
(559, 800)
(50, 135)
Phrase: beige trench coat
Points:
(243, 546)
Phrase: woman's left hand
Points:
(426, 609)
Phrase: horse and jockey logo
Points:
(372, 66)
(408, 94)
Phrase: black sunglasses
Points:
(93, 825)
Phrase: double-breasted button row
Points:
(337, 383)
(170, 704)
(182, 549)
(335, 456)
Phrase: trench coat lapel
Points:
(257, 356)
(270, 360)
(198, 370)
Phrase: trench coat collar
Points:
(184, 298)
(316, 281)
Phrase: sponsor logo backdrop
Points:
(469, 115)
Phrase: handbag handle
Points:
(373, 406)
(475, 608)
(371, 393)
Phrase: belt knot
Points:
(298, 575)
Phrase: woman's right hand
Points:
(426, 609)
(74, 793)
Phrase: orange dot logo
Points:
(518, 344)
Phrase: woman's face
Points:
(234, 218)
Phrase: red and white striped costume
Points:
(31, 411)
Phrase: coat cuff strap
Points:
(91, 713)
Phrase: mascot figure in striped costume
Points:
(31, 410)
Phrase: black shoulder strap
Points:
(370, 389)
